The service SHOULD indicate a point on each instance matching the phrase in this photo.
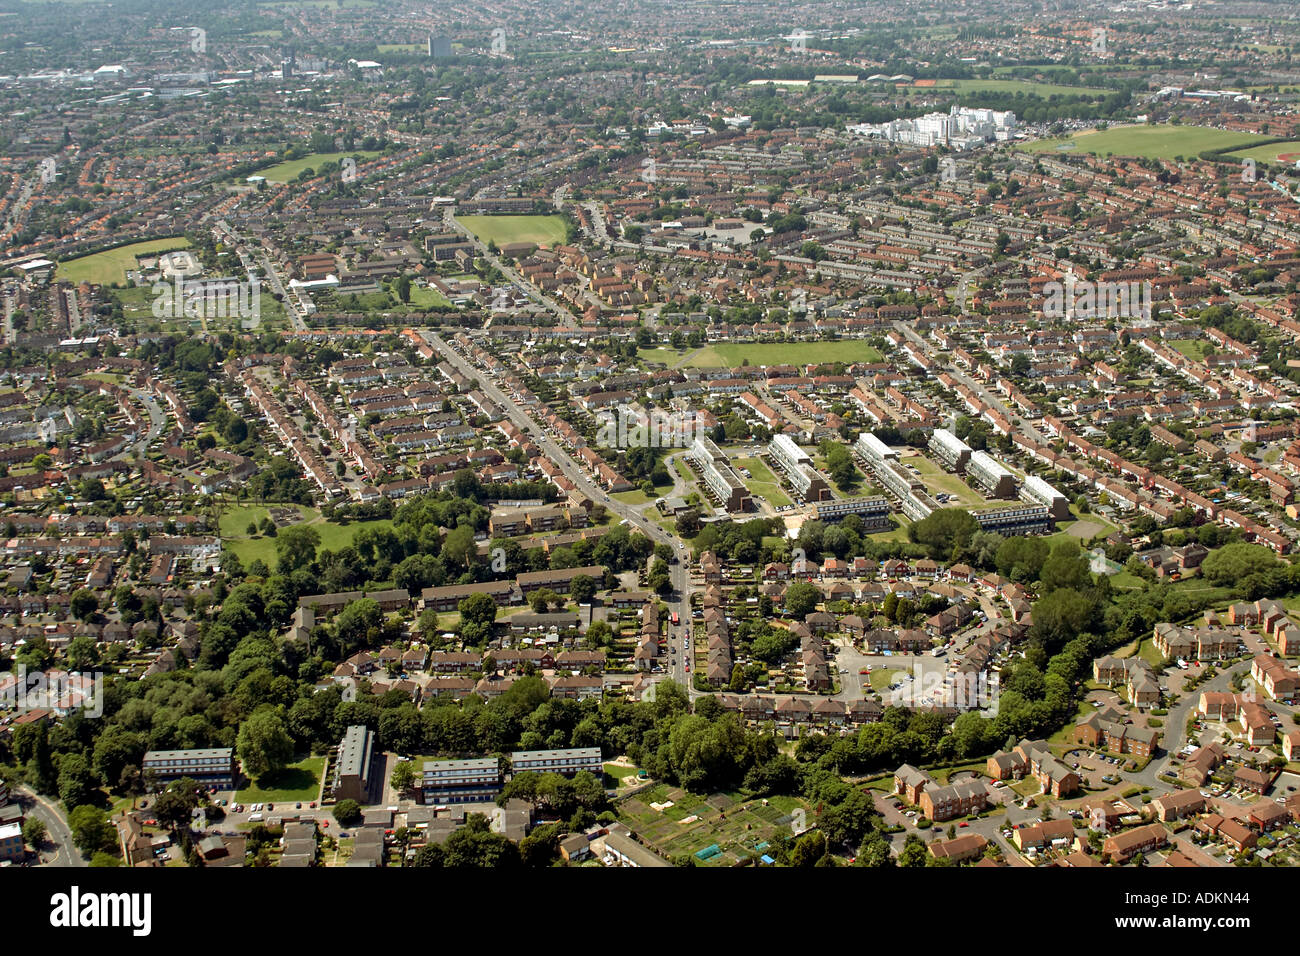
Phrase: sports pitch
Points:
(111, 265)
(543, 230)
(1146, 142)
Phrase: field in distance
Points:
(1146, 142)
(290, 169)
(731, 355)
(1288, 152)
(110, 266)
(543, 230)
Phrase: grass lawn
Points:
(669, 357)
(422, 297)
(634, 497)
(1194, 349)
(1147, 142)
(733, 355)
(938, 480)
(290, 169)
(543, 230)
(1028, 87)
(234, 532)
(1288, 152)
(297, 783)
(881, 679)
(897, 533)
(105, 268)
(763, 483)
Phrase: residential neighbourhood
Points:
(628, 440)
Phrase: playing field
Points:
(543, 230)
(694, 823)
(105, 268)
(1028, 87)
(290, 169)
(1147, 142)
(733, 355)
(1288, 152)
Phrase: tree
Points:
(583, 588)
(295, 548)
(91, 830)
(945, 533)
(801, 599)
(914, 852)
(264, 744)
(478, 609)
(347, 812)
(34, 833)
(77, 783)
(83, 653)
(83, 604)
(404, 776)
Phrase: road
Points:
(679, 600)
(57, 832)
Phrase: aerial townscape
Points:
(561, 433)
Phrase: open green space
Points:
(1288, 152)
(234, 532)
(1028, 87)
(732, 355)
(137, 306)
(1147, 142)
(881, 679)
(543, 230)
(763, 482)
(1194, 349)
(290, 169)
(111, 265)
(938, 480)
(298, 782)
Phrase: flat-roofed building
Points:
(477, 780)
(352, 768)
(873, 449)
(1036, 491)
(719, 476)
(990, 475)
(950, 449)
(1020, 519)
(212, 767)
(874, 511)
(797, 465)
(567, 762)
